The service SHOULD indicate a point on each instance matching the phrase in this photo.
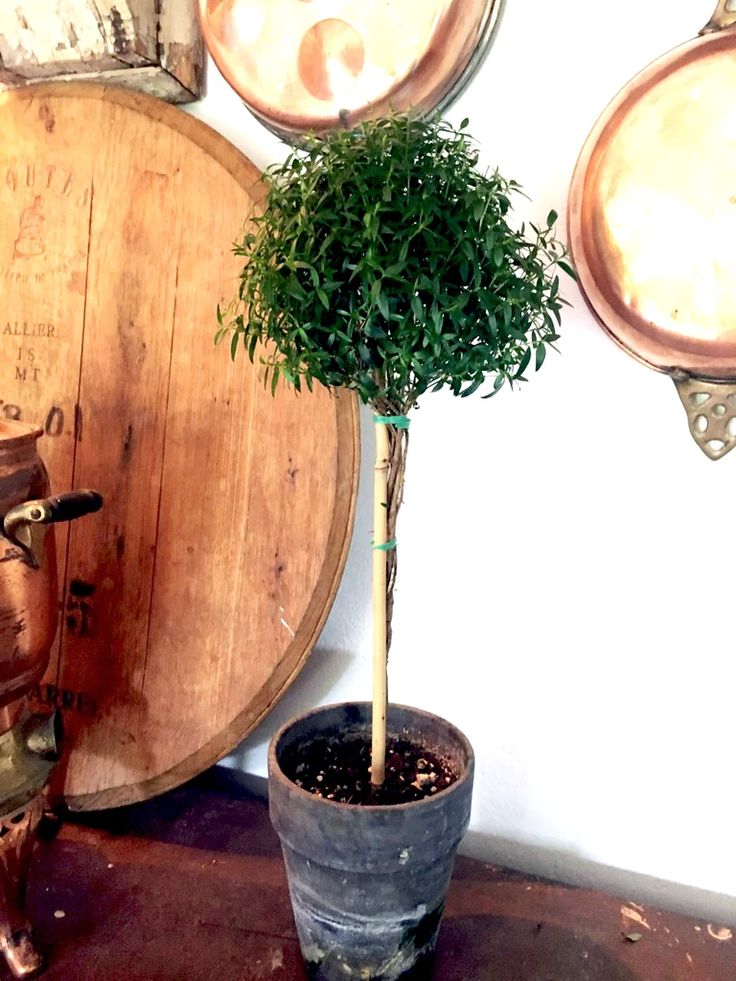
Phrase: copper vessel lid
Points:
(652, 212)
(13, 433)
(312, 65)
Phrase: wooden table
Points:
(191, 887)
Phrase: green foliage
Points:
(386, 263)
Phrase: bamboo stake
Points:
(380, 693)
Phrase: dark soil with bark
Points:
(339, 769)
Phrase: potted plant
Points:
(384, 262)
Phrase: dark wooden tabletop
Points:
(191, 887)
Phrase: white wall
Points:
(566, 552)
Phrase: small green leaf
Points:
(234, 345)
(473, 387)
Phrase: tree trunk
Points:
(388, 489)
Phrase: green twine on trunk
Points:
(401, 422)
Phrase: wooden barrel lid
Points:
(191, 601)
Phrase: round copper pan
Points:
(312, 65)
(652, 221)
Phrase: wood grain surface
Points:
(192, 599)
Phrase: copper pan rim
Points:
(599, 180)
(465, 76)
(702, 368)
(443, 65)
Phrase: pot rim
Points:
(275, 771)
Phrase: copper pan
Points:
(314, 65)
(652, 224)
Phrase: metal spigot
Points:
(25, 525)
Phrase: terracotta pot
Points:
(368, 883)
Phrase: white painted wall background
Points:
(566, 586)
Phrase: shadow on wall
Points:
(568, 866)
(321, 672)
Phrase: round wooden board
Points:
(191, 601)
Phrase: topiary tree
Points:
(385, 262)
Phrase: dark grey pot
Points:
(368, 883)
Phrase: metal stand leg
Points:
(18, 831)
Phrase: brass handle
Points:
(63, 507)
(711, 412)
(24, 525)
(723, 16)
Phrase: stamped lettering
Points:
(25, 328)
(28, 366)
(63, 698)
(47, 177)
(54, 419)
(25, 374)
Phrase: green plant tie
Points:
(401, 422)
(386, 546)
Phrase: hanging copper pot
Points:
(302, 66)
(652, 224)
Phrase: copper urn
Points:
(28, 621)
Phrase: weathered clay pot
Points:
(368, 883)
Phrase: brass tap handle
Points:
(67, 507)
(24, 524)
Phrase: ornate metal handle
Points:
(723, 16)
(24, 525)
(711, 412)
